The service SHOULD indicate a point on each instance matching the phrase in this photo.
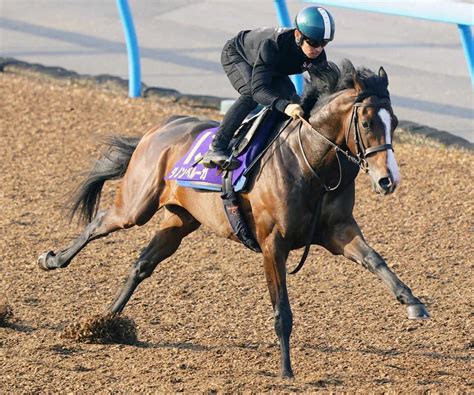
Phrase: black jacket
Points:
(272, 52)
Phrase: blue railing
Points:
(461, 14)
(134, 71)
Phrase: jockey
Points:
(258, 63)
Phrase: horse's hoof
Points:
(417, 312)
(288, 375)
(43, 260)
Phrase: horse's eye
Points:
(366, 124)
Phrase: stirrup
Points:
(206, 162)
(231, 163)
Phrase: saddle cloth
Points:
(247, 144)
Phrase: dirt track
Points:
(204, 318)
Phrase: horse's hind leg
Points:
(103, 224)
(177, 224)
(346, 238)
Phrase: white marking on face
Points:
(391, 161)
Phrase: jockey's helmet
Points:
(315, 24)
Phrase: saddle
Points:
(243, 135)
(249, 141)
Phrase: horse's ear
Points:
(358, 84)
(383, 74)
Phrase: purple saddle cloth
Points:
(190, 174)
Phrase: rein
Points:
(336, 149)
(359, 159)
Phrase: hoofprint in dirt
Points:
(204, 318)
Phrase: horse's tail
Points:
(112, 166)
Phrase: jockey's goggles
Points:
(316, 44)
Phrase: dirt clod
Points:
(103, 329)
(6, 314)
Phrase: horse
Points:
(310, 167)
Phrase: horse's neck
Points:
(331, 121)
(286, 160)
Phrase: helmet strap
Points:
(299, 42)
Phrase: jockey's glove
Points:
(293, 110)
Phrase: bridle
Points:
(361, 150)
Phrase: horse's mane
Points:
(328, 80)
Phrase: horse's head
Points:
(352, 109)
(371, 130)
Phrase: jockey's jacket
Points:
(272, 52)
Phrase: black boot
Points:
(219, 154)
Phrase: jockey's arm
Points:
(262, 76)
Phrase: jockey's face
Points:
(311, 52)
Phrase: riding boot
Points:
(219, 154)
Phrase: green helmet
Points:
(315, 24)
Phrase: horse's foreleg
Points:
(164, 244)
(274, 262)
(103, 224)
(346, 238)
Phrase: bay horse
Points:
(350, 126)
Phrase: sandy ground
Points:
(204, 318)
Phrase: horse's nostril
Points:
(385, 183)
